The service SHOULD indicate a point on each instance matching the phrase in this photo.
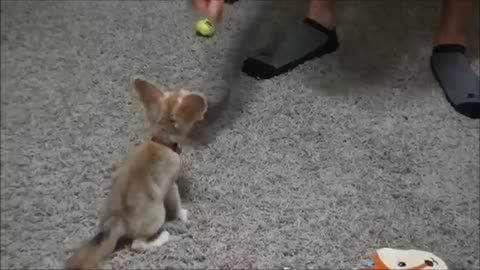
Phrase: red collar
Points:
(172, 145)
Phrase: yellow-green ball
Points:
(205, 28)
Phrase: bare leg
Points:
(314, 37)
(173, 204)
(456, 21)
(322, 12)
(449, 62)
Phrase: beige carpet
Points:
(314, 169)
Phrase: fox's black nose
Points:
(428, 262)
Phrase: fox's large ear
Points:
(149, 94)
(192, 108)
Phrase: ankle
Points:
(449, 38)
(326, 19)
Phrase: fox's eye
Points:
(428, 262)
(402, 264)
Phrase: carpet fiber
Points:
(314, 169)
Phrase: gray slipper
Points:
(459, 82)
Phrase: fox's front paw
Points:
(139, 245)
(183, 215)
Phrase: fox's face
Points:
(388, 259)
(172, 113)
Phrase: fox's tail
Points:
(92, 252)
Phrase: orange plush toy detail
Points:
(412, 259)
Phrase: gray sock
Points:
(459, 82)
(308, 40)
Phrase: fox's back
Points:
(143, 180)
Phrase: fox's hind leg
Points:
(173, 205)
(155, 241)
(150, 230)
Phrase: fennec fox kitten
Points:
(144, 187)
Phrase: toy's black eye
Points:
(402, 264)
(428, 262)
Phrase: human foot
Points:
(308, 40)
(459, 82)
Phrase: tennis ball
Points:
(205, 28)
